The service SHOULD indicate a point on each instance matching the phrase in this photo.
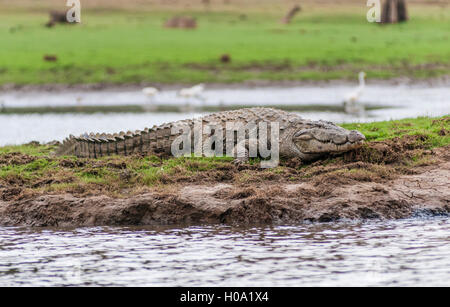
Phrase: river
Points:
(410, 252)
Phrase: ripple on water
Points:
(406, 252)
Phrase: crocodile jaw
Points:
(314, 143)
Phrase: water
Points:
(400, 96)
(412, 252)
(395, 101)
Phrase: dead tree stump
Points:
(394, 11)
(291, 14)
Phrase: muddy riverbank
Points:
(438, 81)
(350, 187)
(426, 193)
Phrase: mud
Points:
(403, 197)
(16, 159)
(250, 84)
(377, 181)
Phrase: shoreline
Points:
(442, 81)
(327, 192)
(423, 194)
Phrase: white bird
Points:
(350, 101)
(193, 92)
(150, 91)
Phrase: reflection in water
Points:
(406, 252)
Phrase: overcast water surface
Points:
(378, 253)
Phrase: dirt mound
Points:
(403, 197)
(388, 179)
(50, 58)
(16, 158)
(225, 58)
(10, 194)
(374, 162)
(392, 151)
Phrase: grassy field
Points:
(31, 168)
(131, 46)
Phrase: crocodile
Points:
(298, 137)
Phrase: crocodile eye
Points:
(302, 135)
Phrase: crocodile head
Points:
(320, 138)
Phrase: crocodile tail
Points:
(99, 145)
(156, 139)
(68, 147)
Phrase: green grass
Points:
(28, 149)
(425, 126)
(121, 47)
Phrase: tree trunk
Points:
(394, 11)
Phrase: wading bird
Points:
(193, 92)
(351, 105)
(150, 92)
